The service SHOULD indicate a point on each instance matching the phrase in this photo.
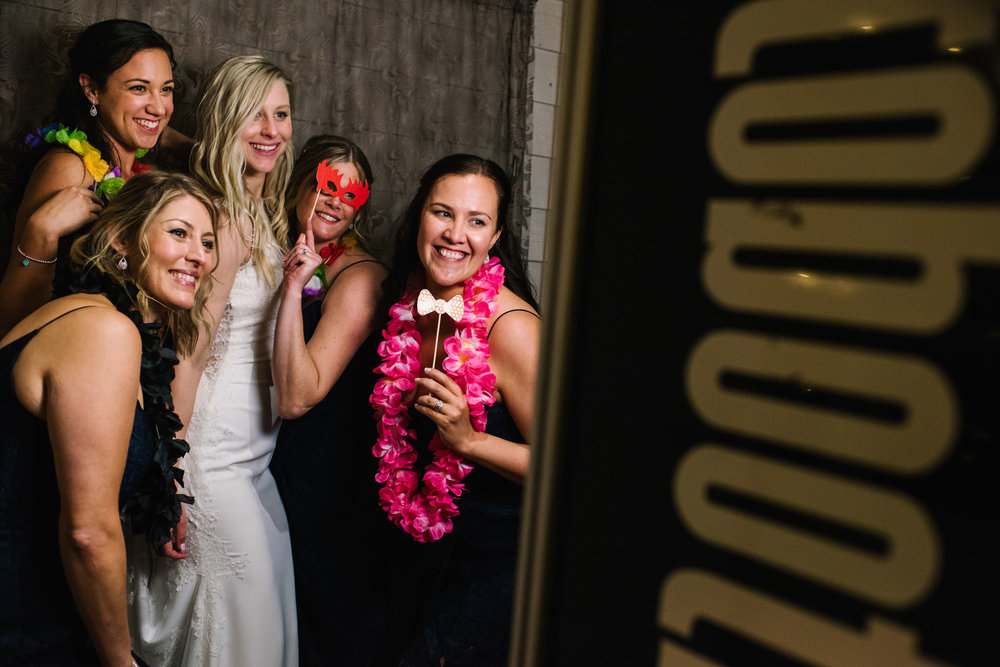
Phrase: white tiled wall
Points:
(542, 77)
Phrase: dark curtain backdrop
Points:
(408, 80)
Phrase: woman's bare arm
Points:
(514, 345)
(305, 372)
(91, 385)
(55, 203)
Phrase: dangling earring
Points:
(350, 226)
(487, 258)
(93, 109)
(122, 263)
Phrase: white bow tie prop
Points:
(426, 303)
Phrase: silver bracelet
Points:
(25, 262)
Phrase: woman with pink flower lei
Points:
(458, 371)
(113, 107)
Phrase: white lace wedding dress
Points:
(232, 600)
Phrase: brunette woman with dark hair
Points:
(324, 352)
(113, 106)
(455, 401)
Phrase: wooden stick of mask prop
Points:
(324, 174)
(455, 308)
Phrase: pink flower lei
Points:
(425, 512)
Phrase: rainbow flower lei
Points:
(318, 284)
(107, 179)
(425, 512)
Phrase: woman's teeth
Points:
(186, 278)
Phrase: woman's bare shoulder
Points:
(514, 312)
(87, 320)
(60, 168)
(357, 265)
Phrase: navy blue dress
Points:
(463, 615)
(39, 622)
(368, 594)
(346, 553)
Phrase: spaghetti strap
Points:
(18, 344)
(512, 310)
(61, 316)
(360, 261)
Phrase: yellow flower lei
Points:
(107, 179)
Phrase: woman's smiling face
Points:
(458, 226)
(137, 100)
(265, 136)
(181, 253)
(332, 215)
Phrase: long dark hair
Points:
(100, 50)
(507, 248)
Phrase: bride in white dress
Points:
(231, 601)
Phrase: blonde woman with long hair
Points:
(232, 600)
(88, 433)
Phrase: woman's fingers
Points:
(444, 401)
(300, 264)
(299, 254)
(440, 379)
(310, 239)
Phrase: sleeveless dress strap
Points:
(360, 261)
(506, 312)
(11, 352)
(61, 316)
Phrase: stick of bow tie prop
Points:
(427, 303)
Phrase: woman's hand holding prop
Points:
(446, 407)
(301, 261)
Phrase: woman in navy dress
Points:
(453, 407)
(88, 426)
(324, 352)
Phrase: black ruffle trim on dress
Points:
(155, 506)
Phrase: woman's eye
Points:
(208, 245)
(282, 114)
(179, 233)
(139, 88)
(477, 222)
(168, 90)
(347, 196)
(443, 214)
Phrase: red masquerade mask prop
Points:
(354, 194)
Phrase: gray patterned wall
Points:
(408, 80)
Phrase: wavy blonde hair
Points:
(126, 219)
(232, 97)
